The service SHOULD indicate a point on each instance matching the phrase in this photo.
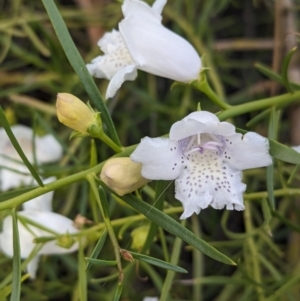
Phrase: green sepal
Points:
(95, 131)
(65, 241)
(76, 134)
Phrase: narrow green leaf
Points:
(4, 292)
(16, 281)
(216, 280)
(103, 263)
(104, 202)
(78, 65)
(291, 177)
(286, 221)
(82, 273)
(257, 118)
(283, 152)
(118, 293)
(93, 159)
(97, 248)
(270, 185)
(18, 148)
(172, 226)
(267, 215)
(157, 262)
(160, 191)
(270, 169)
(11, 194)
(285, 68)
(165, 292)
(274, 76)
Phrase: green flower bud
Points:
(65, 241)
(139, 236)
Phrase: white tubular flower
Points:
(144, 43)
(47, 150)
(150, 299)
(42, 202)
(206, 157)
(52, 221)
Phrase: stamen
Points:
(213, 143)
(194, 150)
(198, 139)
(191, 142)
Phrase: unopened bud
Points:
(139, 236)
(65, 241)
(126, 255)
(74, 113)
(122, 175)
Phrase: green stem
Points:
(253, 252)
(171, 274)
(203, 86)
(199, 263)
(27, 196)
(258, 105)
(105, 215)
(115, 223)
(278, 192)
(110, 143)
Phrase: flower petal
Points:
(157, 50)
(111, 42)
(160, 157)
(24, 136)
(197, 189)
(42, 202)
(141, 10)
(150, 298)
(200, 122)
(247, 151)
(50, 220)
(158, 6)
(6, 239)
(115, 59)
(10, 179)
(127, 73)
(48, 149)
(32, 266)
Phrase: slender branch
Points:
(258, 105)
(104, 212)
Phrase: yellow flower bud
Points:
(74, 113)
(122, 175)
(139, 236)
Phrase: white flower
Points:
(296, 148)
(144, 43)
(42, 202)
(206, 157)
(150, 299)
(47, 149)
(37, 210)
